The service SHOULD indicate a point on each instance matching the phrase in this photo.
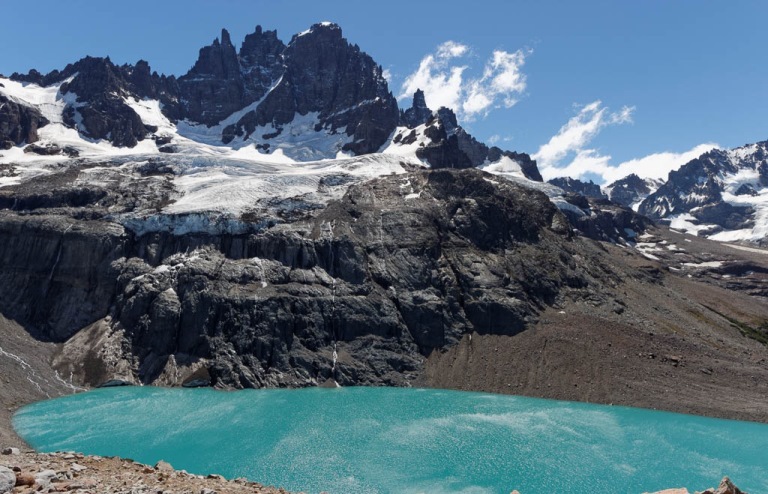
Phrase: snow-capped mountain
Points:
(722, 194)
(251, 97)
(262, 133)
(631, 190)
(317, 97)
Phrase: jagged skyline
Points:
(603, 86)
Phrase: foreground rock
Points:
(77, 473)
(725, 487)
(80, 474)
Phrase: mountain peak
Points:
(325, 28)
(225, 39)
(418, 114)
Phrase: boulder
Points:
(46, 477)
(7, 480)
(725, 487)
(163, 466)
(24, 479)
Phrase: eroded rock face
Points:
(632, 190)
(18, 123)
(448, 145)
(57, 272)
(587, 189)
(222, 81)
(101, 87)
(381, 278)
(418, 114)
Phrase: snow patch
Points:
(708, 264)
(685, 222)
(505, 165)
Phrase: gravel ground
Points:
(671, 344)
(79, 474)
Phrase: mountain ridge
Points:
(268, 95)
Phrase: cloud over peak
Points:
(442, 78)
(568, 152)
(573, 137)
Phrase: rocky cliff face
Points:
(325, 75)
(372, 271)
(576, 186)
(18, 123)
(223, 81)
(631, 190)
(443, 143)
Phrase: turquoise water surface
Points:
(377, 440)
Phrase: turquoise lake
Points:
(385, 440)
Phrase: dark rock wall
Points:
(385, 281)
(629, 190)
(18, 123)
(323, 73)
(587, 189)
(57, 273)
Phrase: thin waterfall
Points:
(335, 357)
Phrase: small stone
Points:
(7, 480)
(672, 491)
(45, 478)
(11, 451)
(163, 466)
(216, 476)
(62, 487)
(207, 491)
(84, 484)
(75, 467)
(24, 479)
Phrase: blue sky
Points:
(595, 84)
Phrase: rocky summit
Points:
(274, 218)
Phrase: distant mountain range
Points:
(722, 194)
(319, 97)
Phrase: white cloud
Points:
(496, 138)
(451, 49)
(387, 75)
(657, 165)
(442, 78)
(572, 141)
(573, 137)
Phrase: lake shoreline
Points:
(392, 438)
(76, 472)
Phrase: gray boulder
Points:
(7, 480)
